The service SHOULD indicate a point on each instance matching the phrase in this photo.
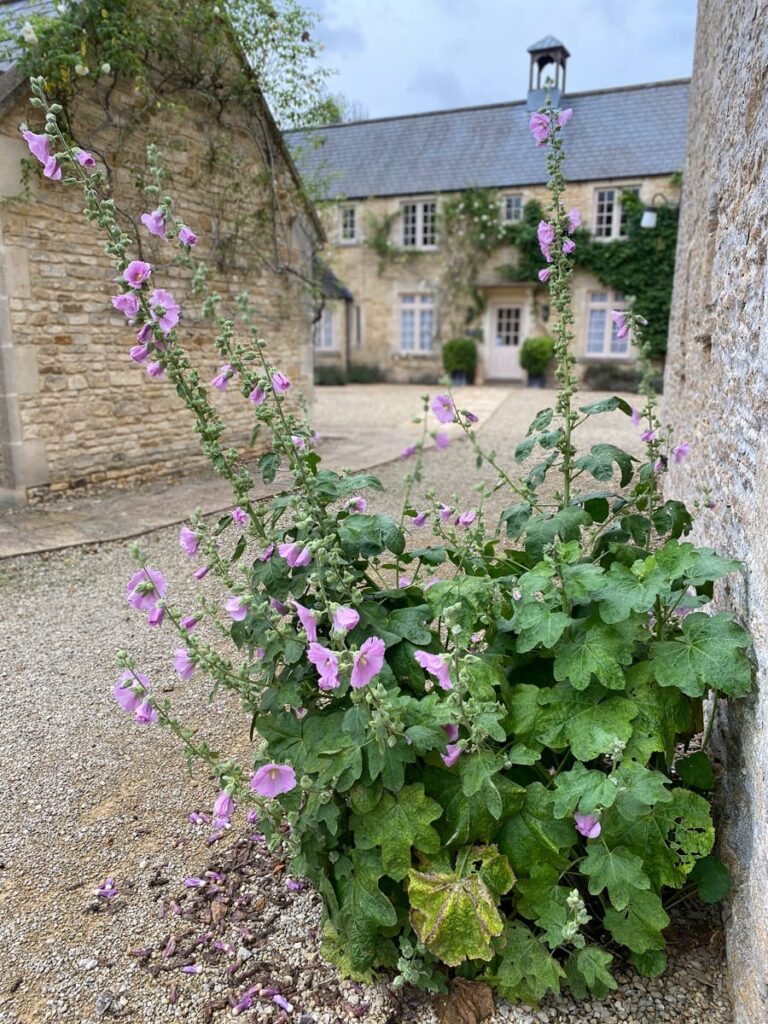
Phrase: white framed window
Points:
(348, 232)
(602, 337)
(512, 208)
(417, 322)
(508, 325)
(325, 331)
(420, 224)
(610, 216)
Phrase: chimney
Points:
(551, 55)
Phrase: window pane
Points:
(513, 208)
(429, 223)
(426, 329)
(598, 319)
(409, 224)
(604, 211)
(597, 297)
(618, 345)
(407, 329)
(348, 223)
(507, 326)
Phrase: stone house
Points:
(716, 396)
(397, 173)
(74, 409)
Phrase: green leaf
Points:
(431, 556)
(582, 581)
(587, 971)
(364, 908)
(696, 770)
(712, 879)
(565, 524)
(630, 590)
(409, 624)
(708, 654)
(524, 449)
(601, 460)
(455, 914)
(639, 926)
(694, 565)
(332, 486)
(651, 964)
(640, 788)
(582, 789)
(514, 519)
(477, 773)
(269, 463)
(594, 648)
(607, 405)
(533, 836)
(663, 714)
(472, 593)
(539, 626)
(672, 518)
(527, 970)
(397, 823)
(588, 721)
(541, 421)
(495, 870)
(369, 535)
(618, 870)
(468, 820)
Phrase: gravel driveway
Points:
(87, 795)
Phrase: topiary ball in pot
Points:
(460, 360)
(535, 357)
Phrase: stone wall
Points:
(377, 286)
(74, 409)
(716, 396)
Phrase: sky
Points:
(406, 56)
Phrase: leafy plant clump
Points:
(469, 742)
(460, 356)
(536, 355)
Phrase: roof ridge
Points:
(486, 106)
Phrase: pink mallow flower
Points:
(237, 608)
(39, 146)
(127, 303)
(145, 713)
(187, 236)
(136, 273)
(224, 805)
(257, 396)
(620, 320)
(188, 541)
(436, 665)
(295, 555)
(139, 353)
(574, 220)
(327, 665)
(545, 233)
(84, 158)
(223, 377)
(183, 663)
(239, 516)
(52, 169)
(451, 755)
(681, 452)
(648, 436)
(588, 825)
(164, 310)
(543, 274)
(369, 661)
(467, 518)
(307, 619)
(280, 383)
(419, 520)
(130, 689)
(441, 440)
(452, 732)
(107, 890)
(154, 223)
(408, 451)
(443, 408)
(345, 619)
(273, 779)
(564, 117)
(189, 622)
(156, 616)
(569, 246)
(539, 126)
(445, 513)
(145, 588)
(637, 417)
(357, 504)
(155, 370)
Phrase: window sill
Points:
(399, 354)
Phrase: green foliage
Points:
(378, 236)
(460, 356)
(536, 355)
(329, 375)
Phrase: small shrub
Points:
(619, 377)
(329, 374)
(536, 355)
(460, 356)
(364, 373)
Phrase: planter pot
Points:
(537, 381)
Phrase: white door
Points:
(503, 352)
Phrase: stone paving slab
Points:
(360, 426)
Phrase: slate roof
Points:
(622, 133)
(547, 43)
(14, 13)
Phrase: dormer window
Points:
(420, 224)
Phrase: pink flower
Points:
(52, 169)
(237, 608)
(154, 223)
(620, 319)
(467, 518)
(223, 377)
(156, 616)
(139, 353)
(257, 396)
(369, 661)
(164, 310)
(107, 890)
(436, 665)
(539, 126)
(189, 622)
(357, 504)
(452, 732)
(144, 334)
(569, 246)
(127, 303)
(419, 520)
(39, 146)
(441, 440)
(545, 233)
(187, 237)
(345, 619)
(636, 417)
(443, 408)
(280, 383)
(299, 442)
(408, 451)
(130, 689)
(451, 755)
(544, 275)
(307, 619)
(144, 589)
(279, 607)
(470, 416)
(188, 540)
(202, 572)
(327, 665)
(136, 273)
(224, 805)
(267, 553)
(273, 779)
(294, 554)
(155, 370)
(574, 220)
(183, 663)
(588, 825)
(681, 452)
(564, 117)
(240, 516)
(648, 435)
(445, 513)
(84, 158)
(145, 713)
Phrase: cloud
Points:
(442, 88)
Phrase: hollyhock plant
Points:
(39, 146)
(409, 451)
(368, 662)
(187, 237)
(620, 320)
(280, 383)
(539, 124)
(239, 516)
(164, 310)
(545, 233)
(452, 754)
(237, 607)
(357, 504)
(273, 779)
(419, 519)
(188, 541)
(139, 353)
(466, 519)
(129, 690)
(145, 588)
(188, 622)
(681, 451)
(155, 369)
(543, 275)
(587, 825)
(127, 303)
(223, 377)
(224, 805)
(307, 619)
(296, 555)
(183, 663)
(441, 440)
(452, 732)
(445, 513)
(146, 714)
(569, 245)
(437, 666)
(154, 222)
(326, 663)
(574, 220)
(258, 395)
(156, 616)
(345, 619)
(136, 273)
(443, 408)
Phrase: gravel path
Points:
(87, 795)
